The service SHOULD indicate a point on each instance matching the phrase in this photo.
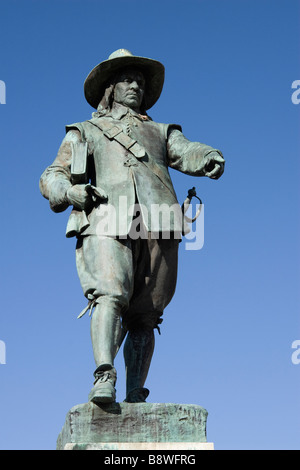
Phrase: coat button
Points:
(130, 162)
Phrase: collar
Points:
(118, 111)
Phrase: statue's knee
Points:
(108, 302)
(143, 322)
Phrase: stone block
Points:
(146, 446)
(134, 426)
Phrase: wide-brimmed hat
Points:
(98, 78)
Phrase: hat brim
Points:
(97, 80)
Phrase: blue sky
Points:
(226, 341)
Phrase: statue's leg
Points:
(138, 351)
(154, 286)
(105, 271)
(105, 335)
(105, 330)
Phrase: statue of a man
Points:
(121, 156)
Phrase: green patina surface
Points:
(133, 422)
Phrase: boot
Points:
(137, 395)
(104, 386)
(138, 351)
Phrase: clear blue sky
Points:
(227, 335)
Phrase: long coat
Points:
(128, 156)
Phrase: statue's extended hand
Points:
(214, 166)
(79, 198)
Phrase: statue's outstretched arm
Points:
(193, 158)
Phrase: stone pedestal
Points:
(134, 426)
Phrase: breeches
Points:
(137, 275)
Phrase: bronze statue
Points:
(113, 170)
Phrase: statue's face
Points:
(130, 88)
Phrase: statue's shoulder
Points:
(165, 128)
(84, 127)
(75, 125)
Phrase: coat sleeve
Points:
(186, 156)
(56, 179)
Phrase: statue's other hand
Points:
(79, 198)
(214, 165)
